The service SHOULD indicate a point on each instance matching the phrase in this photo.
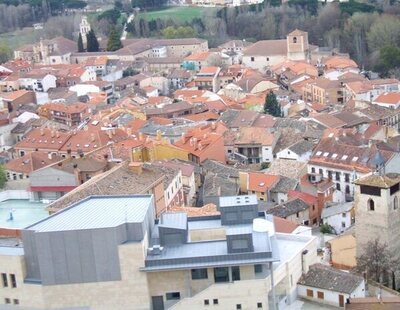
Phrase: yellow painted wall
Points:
(344, 251)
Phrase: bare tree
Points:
(378, 262)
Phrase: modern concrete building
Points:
(108, 252)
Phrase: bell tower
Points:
(297, 45)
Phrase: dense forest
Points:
(368, 31)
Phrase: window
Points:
(252, 58)
(4, 279)
(312, 170)
(7, 300)
(206, 302)
(259, 305)
(313, 207)
(297, 214)
(347, 189)
(258, 268)
(338, 186)
(343, 225)
(235, 273)
(16, 301)
(215, 301)
(239, 244)
(395, 203)
(321, 172)
(320, 295)
(310, 293)
(13, 280)
(371, 205)
(337, 176)
(330, 174)
(347, 177)
(294, 40)
(267, 58)
(343, 214)
(221, 274)
(238, 307)
(198, 274)
(173, 296)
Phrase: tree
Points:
(5, 53)
(80, 44)
(92, 43)
(389, 59)
(114, 41)
(377, 261)
(3, 177)
(272, 106)
(326, 229)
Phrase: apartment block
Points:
(109, 252)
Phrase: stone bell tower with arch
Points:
(84, 28)
(297, 45)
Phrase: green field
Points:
(20, 37)
(180, 13)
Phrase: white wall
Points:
(14, 194)
(336, 222)
(266, 153)
(288, 154)
(330, 297)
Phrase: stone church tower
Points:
(84, 28)
(377, 209)
(297, 45)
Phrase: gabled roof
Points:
(331, 279)
(31, 162)
(288, 208)
(267, 48)
(261, 182)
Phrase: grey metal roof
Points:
(339, 208)
(174, 220)
(239, 230)
(97, 212)
(328, 278)
(210, 253)
(244, 200)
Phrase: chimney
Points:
(195, 142)
(53, 133)
(113, 131)
(50, 156)
(159, 135)
(213, 125)
(92, 137)
(136, 167)
(41, 131)
(57, 134)
(69, 153)
(109, 134)
(140, 136)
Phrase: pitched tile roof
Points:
(31, 162)
(261, 182)
(331, 279)
(267, 48)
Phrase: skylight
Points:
(326, 154)
(334, 155)
(344, 157)
(355, 158)
(318, 153)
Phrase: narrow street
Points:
(124, 32)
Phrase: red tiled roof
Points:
(261, 182)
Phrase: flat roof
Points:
(97, 212)
(243, 200)
(211, 254)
